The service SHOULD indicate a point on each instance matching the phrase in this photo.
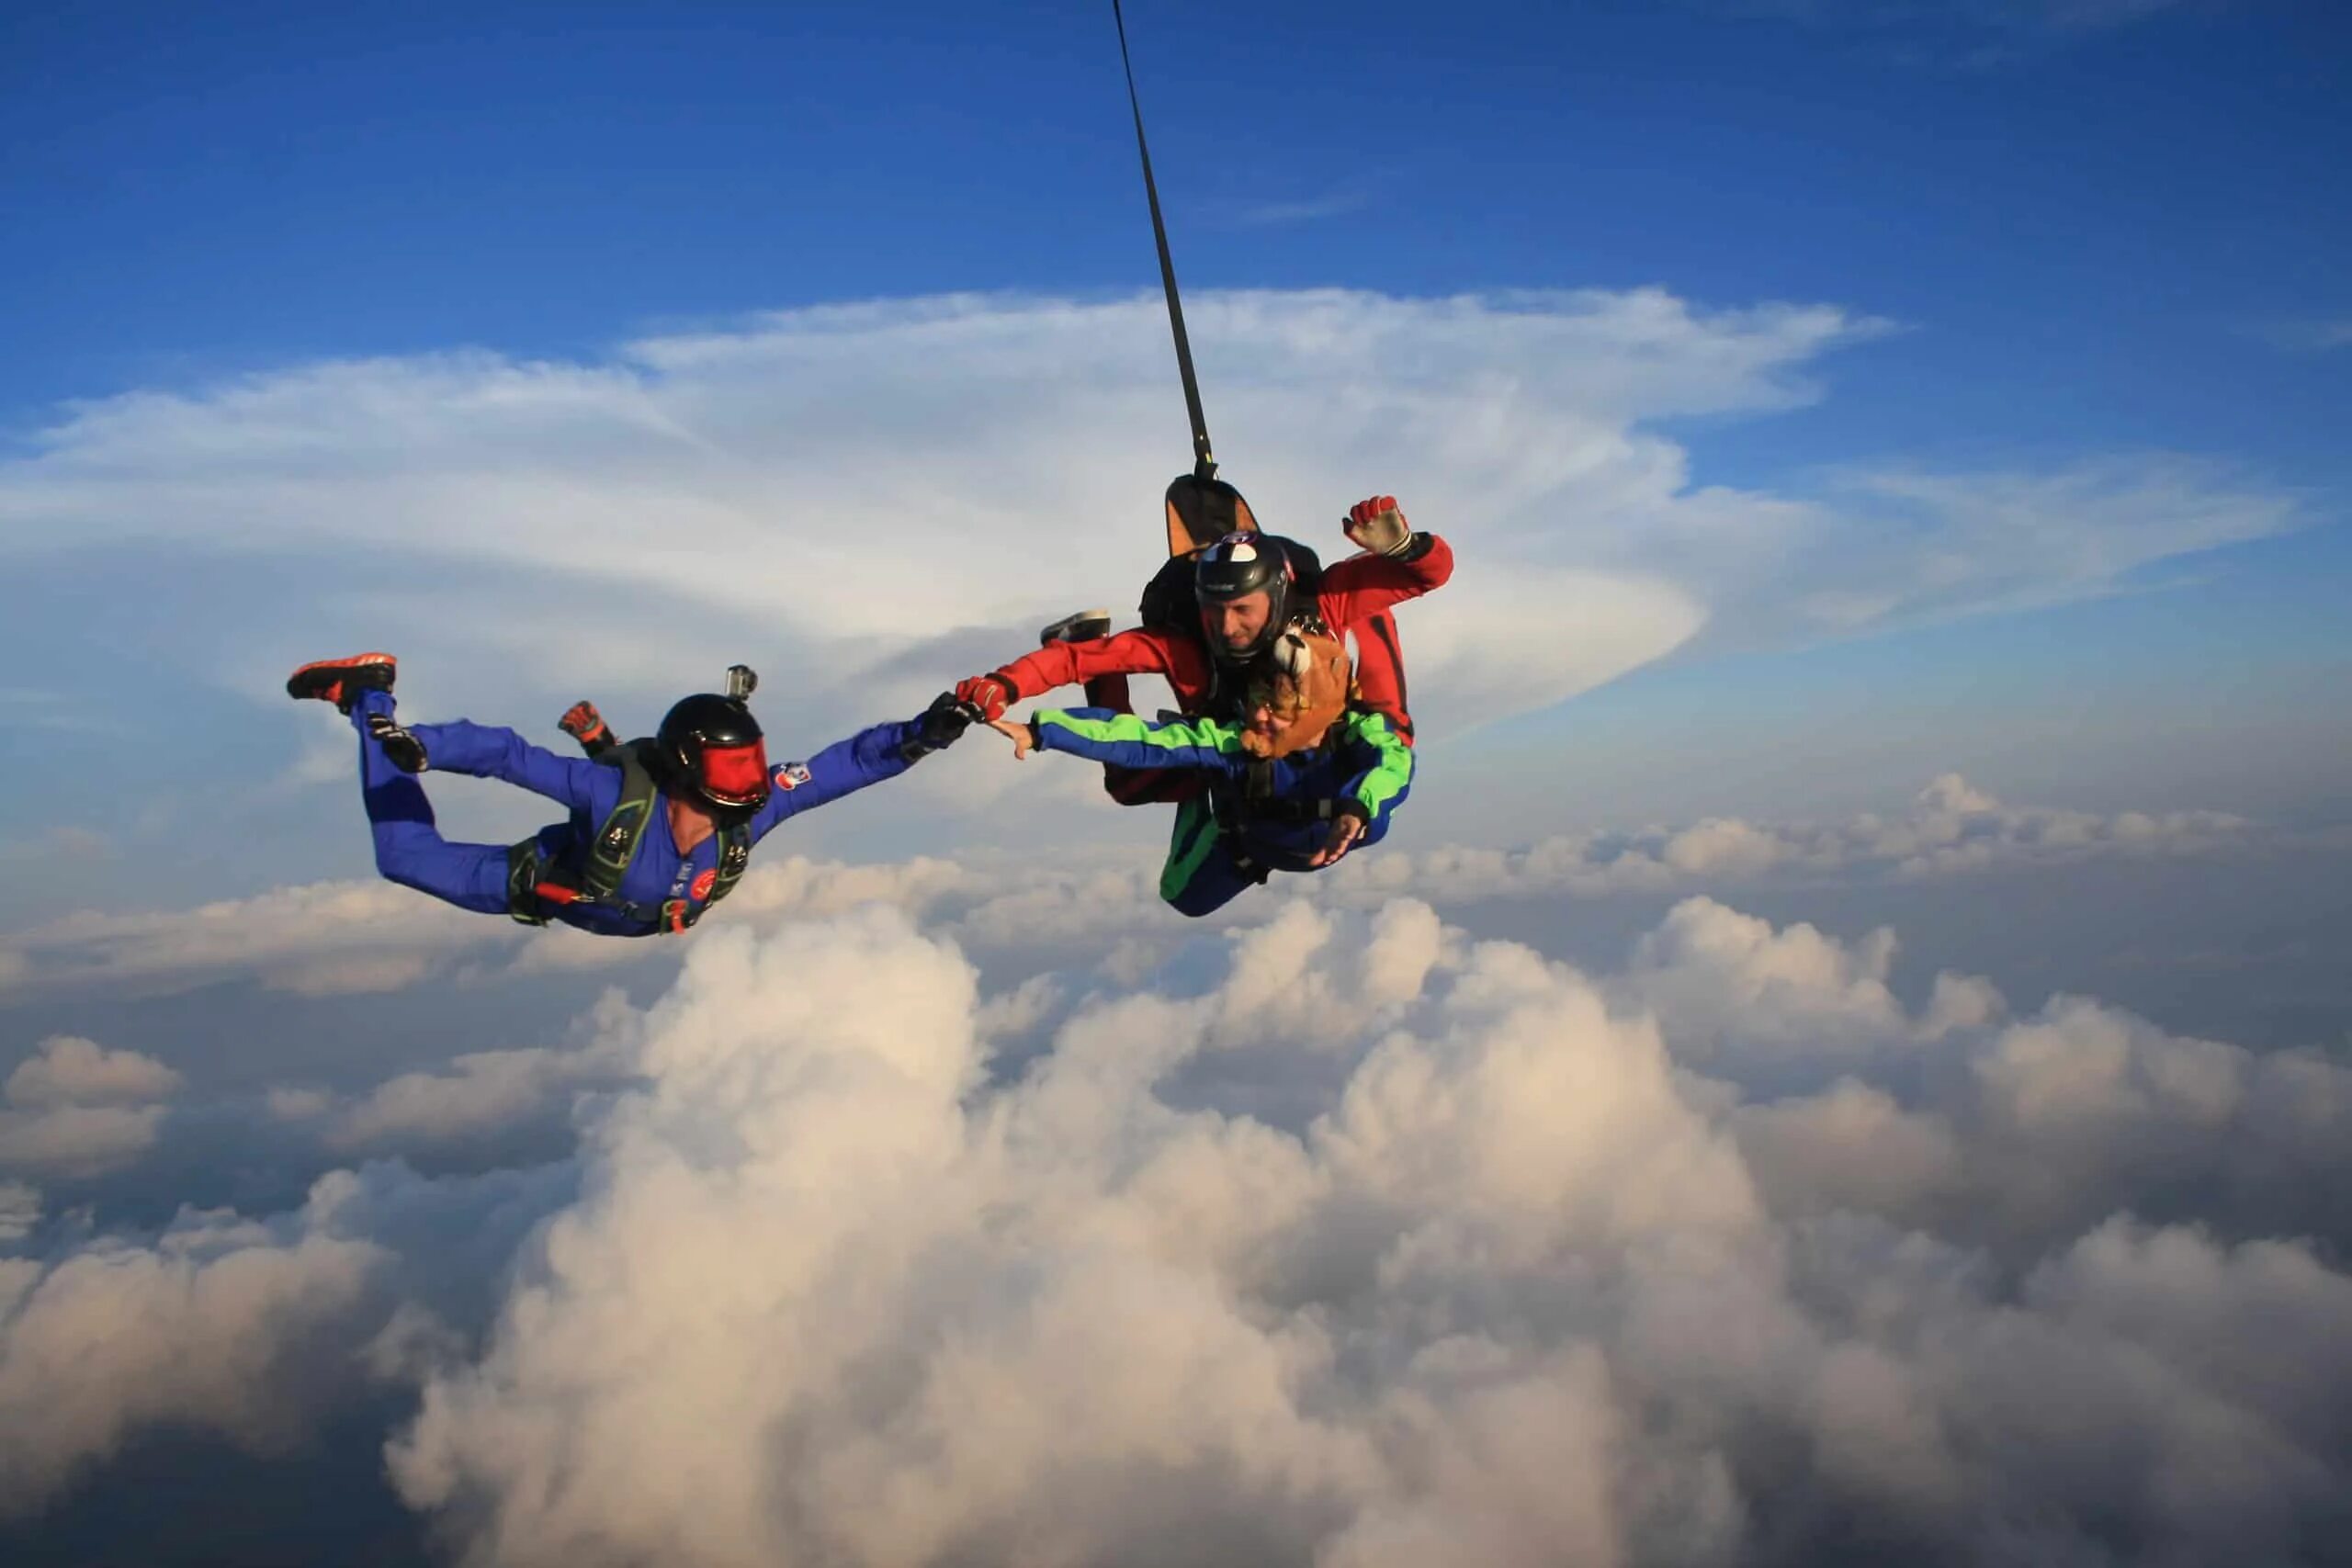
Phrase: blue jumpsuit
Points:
(410, 850)
(1226, 840)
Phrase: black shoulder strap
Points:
(734, 854)
(613, 850)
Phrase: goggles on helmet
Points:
(734, 776)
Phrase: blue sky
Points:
(2109, 217)
(2058, 234)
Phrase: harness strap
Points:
(523, 865)
(614, 848)
(530, 880)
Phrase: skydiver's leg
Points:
(1205, 872)
(408, 848)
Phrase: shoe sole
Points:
(1085, 627)
(311, 680)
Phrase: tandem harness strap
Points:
(1251, 799)
(532, 879)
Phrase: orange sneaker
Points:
(340, 680)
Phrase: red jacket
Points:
(1356, 596)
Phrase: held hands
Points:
(1024, 738)
(987, 695)
(1379, 527)
(936, 729)
(943, 724)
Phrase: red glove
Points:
(1377, 526)
(583, 724)
(987, 694)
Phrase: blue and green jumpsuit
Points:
(1257, 816)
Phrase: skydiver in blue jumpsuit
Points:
(712, 796)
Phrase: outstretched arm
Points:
(1145, 650)
(873, 754)
(1126, 742)
(488, 752)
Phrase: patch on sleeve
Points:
(792, 775)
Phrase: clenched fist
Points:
(1379, 527)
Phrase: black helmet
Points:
(1235, 566)
(711, 747)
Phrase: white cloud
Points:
(80, 1110)
(2053, 19)
(77, 1140)
(70, 1070)
(322, 939)
(221, 1324)
(1516, 1288)
(1282, 213)
(1952, 828)
(2309, 334)
(20, 1210)
(480, 1093)
(837, 445)
(250, 1330)
(339, 938)
(1552, 1259)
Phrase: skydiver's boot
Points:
(1086, 625)
(340, 680)
(403, 750)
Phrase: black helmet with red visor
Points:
(712, 748)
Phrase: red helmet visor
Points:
(735, 775)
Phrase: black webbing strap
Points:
(1203, 463)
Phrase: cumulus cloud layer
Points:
(337, 938)
(1728, 1256)
(249, 1330)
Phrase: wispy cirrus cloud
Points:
(2016, 16)
(1282, 212)
(2306, 334)
(1966, 35)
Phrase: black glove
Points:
(938, 727)
(402, 748)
